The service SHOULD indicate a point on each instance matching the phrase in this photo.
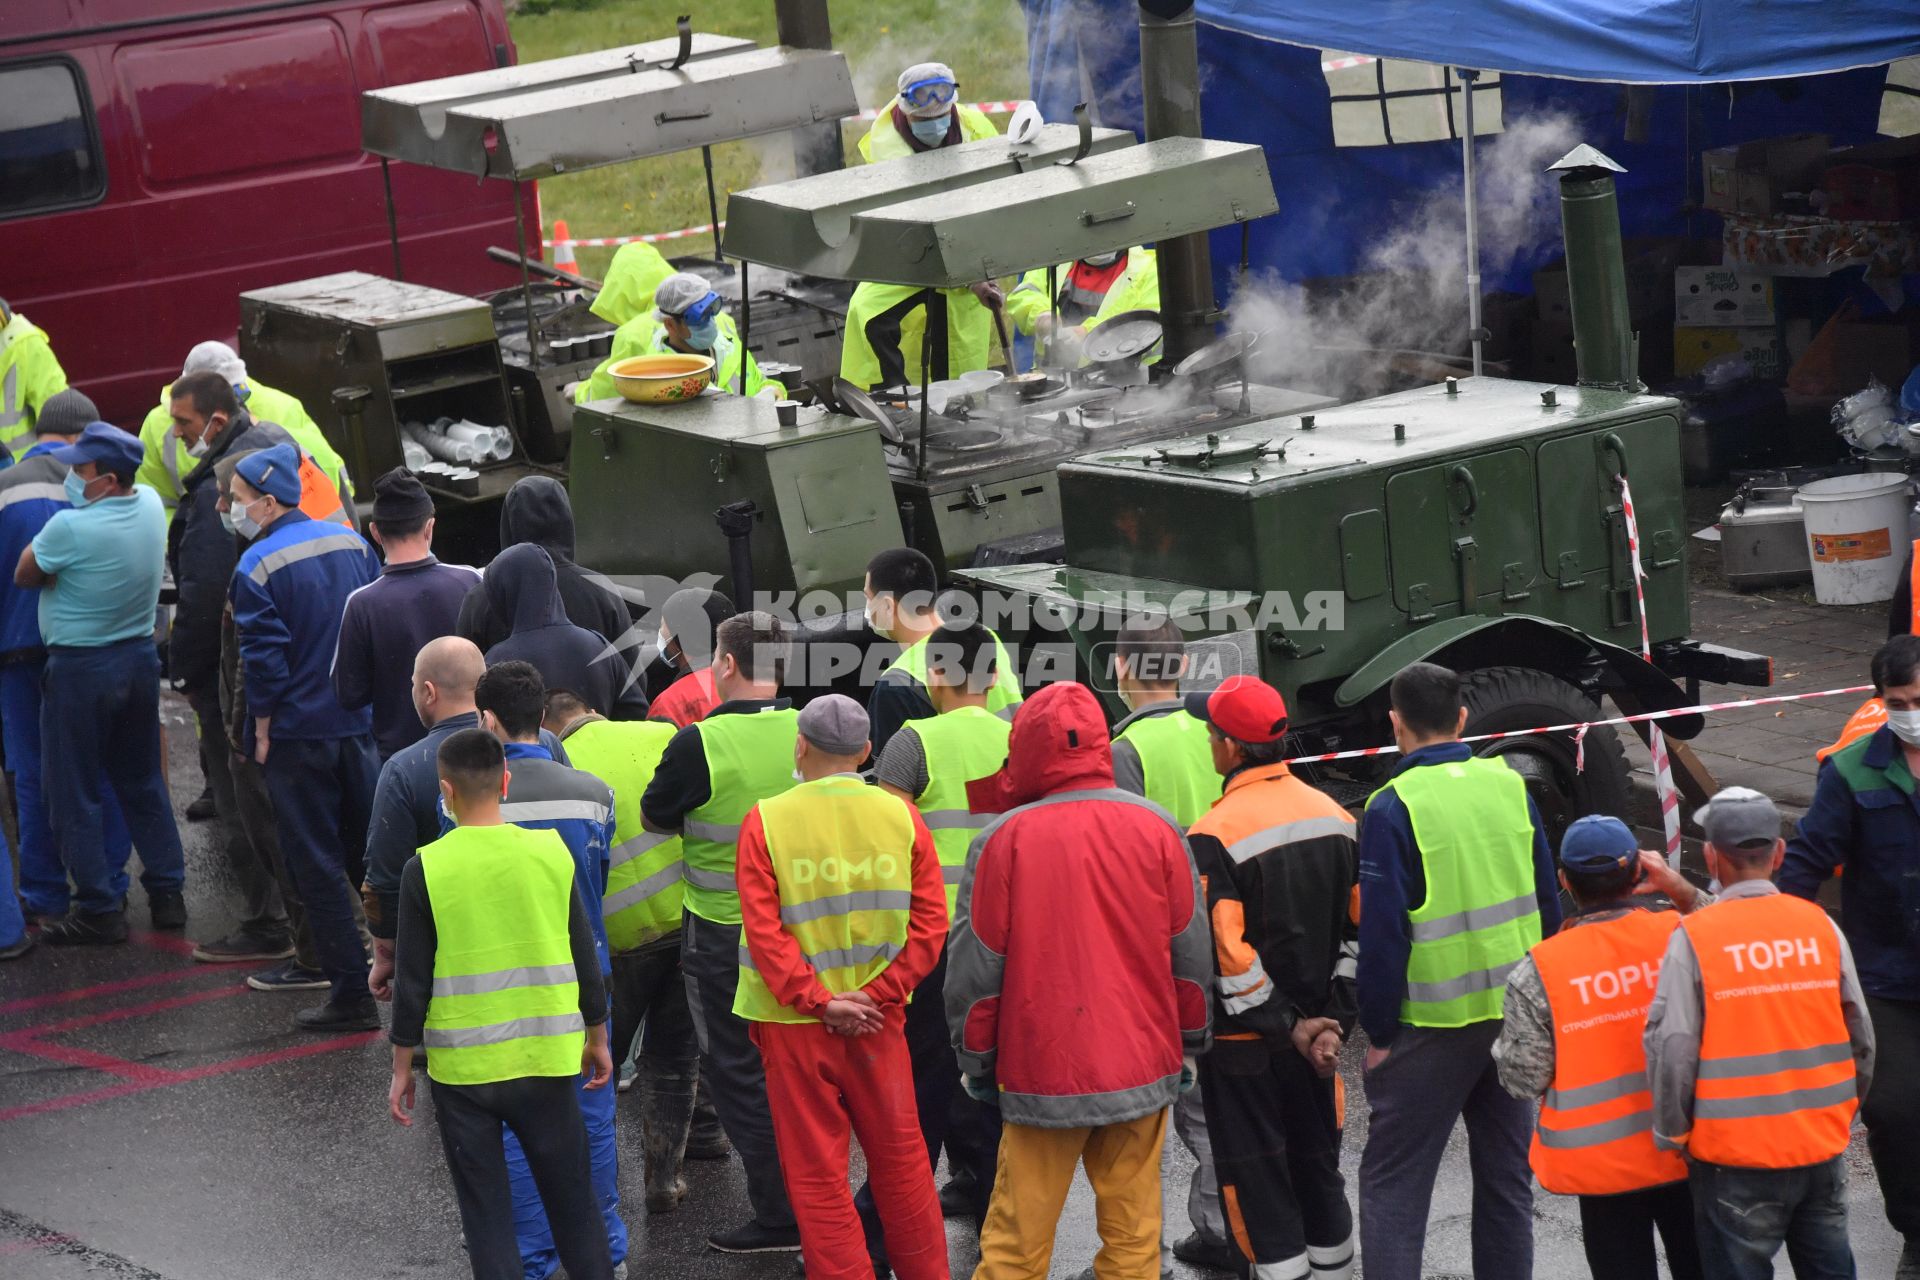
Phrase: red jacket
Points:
(1079, 961)
(783, 966)
(687, 700)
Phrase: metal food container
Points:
(1763, 538)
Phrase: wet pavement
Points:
(160, 1121)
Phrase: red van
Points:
(158, 157)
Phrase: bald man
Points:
(406, 803)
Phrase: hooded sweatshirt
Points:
(536, 511)
(1080, 961)
(520, 586)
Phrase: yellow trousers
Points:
(1030, 1188)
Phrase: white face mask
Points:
(1905, 726)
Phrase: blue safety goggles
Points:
(930, 93)
(703, 310)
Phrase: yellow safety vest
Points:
(1003, 699)
(842, 855)
(961, 745)
(1137, 288)
(1482, 912)
(505, 1001)
(1176, 764)
(749, 758)
(643, 895)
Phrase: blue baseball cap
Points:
(274, 472)
(1598, 843)
(111, 448)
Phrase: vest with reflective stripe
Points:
(961, 745)
(643, 897)
(749, 758)
(1001, 699)
(505, 1002)
(1176, 764)
(1594, 1136)
(1481, 914)
(1775, 1088)
(842, 854)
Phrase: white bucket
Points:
(1856, 536)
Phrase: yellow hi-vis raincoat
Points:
(883, 141)
(644, 335)
(165, 462)
(29, 377)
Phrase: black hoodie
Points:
(536, 511)
(520, 585)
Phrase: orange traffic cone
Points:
(563, 248)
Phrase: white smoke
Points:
(1410, 294)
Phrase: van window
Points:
(215, 106)
(427, 41)
(49, 156)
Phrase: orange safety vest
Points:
(319, 497)
(1594, 1136)
(1871, 715)
(1775, 1088)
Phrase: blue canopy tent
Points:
(1715, 72)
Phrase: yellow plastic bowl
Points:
(662, 379)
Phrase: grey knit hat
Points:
(65, 414)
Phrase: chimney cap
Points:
(1585, 157)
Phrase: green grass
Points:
(984, 41)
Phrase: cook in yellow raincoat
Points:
(1091, 291)
(686, 318)
(923, 116)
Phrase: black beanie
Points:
(398, 498)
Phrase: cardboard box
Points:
(1759, 345)
(1897, 157)
(1751, 177)
(1721, 297)
(1651, 262)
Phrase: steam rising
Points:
(1411, 295)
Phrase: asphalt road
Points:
(160, 1121)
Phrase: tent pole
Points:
(1475, 332)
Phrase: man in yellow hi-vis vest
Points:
(842, 917)
(495, 972)
(30, 376)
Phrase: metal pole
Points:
(746, 325)
(713, 201)
(526, 280)
(804, 24)
(393, 221)
(926, 365)
(1474, 327)
(1170, 79)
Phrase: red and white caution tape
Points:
(1581, 726)
(1342, 64)
(1656, 741)
(652, 237)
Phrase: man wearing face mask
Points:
(1084, 294)
(99, 566)
(31, 492)
(687, 624)
(1863, 823)
(924, 116)
(201, 550)
(686, 319)
(168, 456)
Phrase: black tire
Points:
(1504, 698)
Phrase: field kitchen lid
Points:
(948, 218)
(594, 109)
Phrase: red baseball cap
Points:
(1244, 708)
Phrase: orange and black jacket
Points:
(1279, 862)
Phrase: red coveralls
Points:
(818, 1082)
